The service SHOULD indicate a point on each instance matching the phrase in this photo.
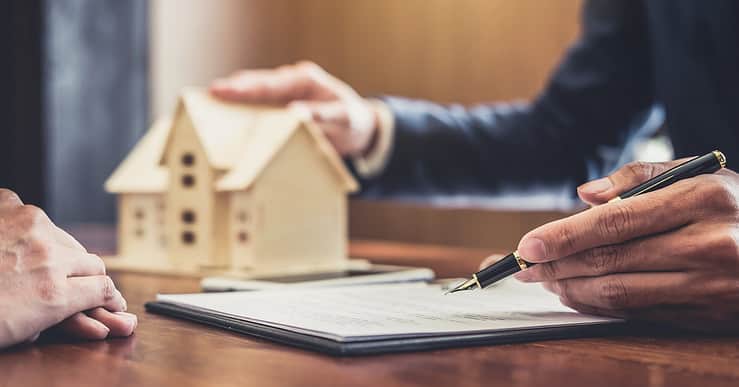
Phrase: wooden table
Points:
(166, 351)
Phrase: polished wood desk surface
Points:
(166, 351)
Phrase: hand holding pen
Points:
(668, 255)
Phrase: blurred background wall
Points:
(95, 100)
(112, 67)
(462, 50)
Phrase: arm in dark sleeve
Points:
(602, 84)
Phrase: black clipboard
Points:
(383, 346)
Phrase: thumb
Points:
(322, 112)
(630, 175)
(333, 120)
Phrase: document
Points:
(377, 312)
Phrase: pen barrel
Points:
(501, 269)
(708, 163)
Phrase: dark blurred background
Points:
(84, 79)
(77, 72)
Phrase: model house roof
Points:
(140, 171)
(239, 140)
(271, 131)
(223, 128)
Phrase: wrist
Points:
(374, 129)
(374, 155)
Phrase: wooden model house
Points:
(224, 187)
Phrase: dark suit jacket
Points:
(682, 54)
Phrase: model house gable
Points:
(222, 128)
(271, 132)
(141, 171)
(222, 186)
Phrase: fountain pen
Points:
(513, 262)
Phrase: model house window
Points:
(188, 216)
(242, 236)
(160, 212)
(188, 159)
(188, 180)
(139, 215)
(188, 237)
(242, 216)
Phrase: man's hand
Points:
(671, 255)
(47, 279)
(349, 121)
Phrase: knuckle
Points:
(48, 287)
(307, 65)
(726, 244)
(616, 221)
(107, 288)
(639, 171)
(605, 259)
(9, 197)
(29, 216)
(550, 270)
(40, 250)
(567, 238)
(613, 294)
(98, 263)
(717, 190)
(564, 290)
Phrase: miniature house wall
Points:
(232, 188)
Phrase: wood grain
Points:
(463, 51)
(166, 351)
(404, 221)
(460, 50)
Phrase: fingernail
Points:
(532, 249)
(596, 186)
(101, 326)
(130, 317)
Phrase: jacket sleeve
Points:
(603, 83)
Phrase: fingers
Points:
(276, 86)
(98, 324)
(94, 291)
(333, 112)
(348, 126)
(331, 117)
(84, 264)
(82, 326)
(623, 292)
(630, 175)
(614, 223)
(121, 324)
(659, 253)
(587, 309)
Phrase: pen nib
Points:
(466, 285)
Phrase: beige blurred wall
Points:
(444, 50)
(192, 41)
